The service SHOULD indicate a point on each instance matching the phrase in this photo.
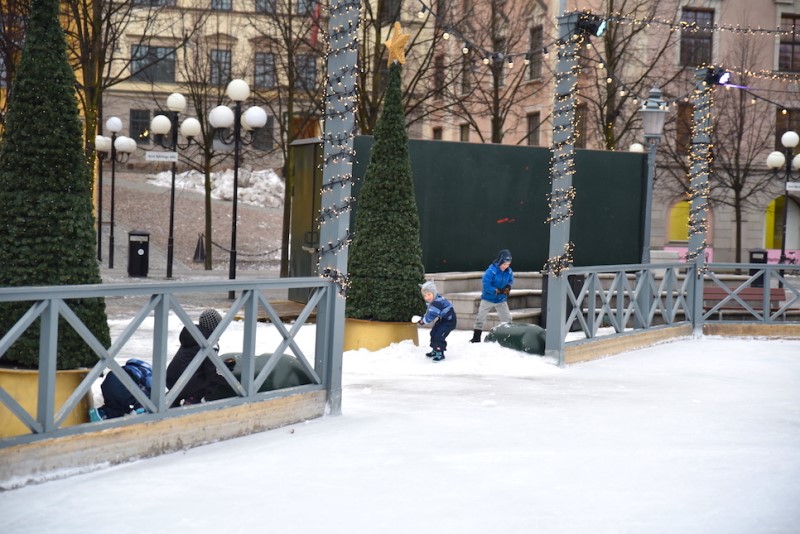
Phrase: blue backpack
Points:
(118, 401)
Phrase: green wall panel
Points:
(475, 199)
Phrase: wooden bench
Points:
(753, 296)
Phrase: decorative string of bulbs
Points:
(341, 103)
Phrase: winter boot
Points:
(431, 354)
(438, 356)
(476, 336)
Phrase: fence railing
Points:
(159, 302)
(600, 302)
(620, 299)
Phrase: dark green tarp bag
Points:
(519, 336)
(288, 372)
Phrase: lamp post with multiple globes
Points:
(223, 118)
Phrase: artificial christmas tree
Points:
(46, 222)
(385, 258)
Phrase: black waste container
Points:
(138, 253)
(757, 255)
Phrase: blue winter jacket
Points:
(439, 308)
(495, 279)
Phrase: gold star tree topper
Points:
(397, 45)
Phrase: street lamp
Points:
(222, 118)
(654, 114)
(160, 126)
(119, 148)
(775, 161)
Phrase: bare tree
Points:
(495, 66)
(623, 64)
(289, 81)
(743, 133)
(12, 30)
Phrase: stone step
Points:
(469, 301)
(520, 315)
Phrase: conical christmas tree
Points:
(385, 258)
(46, 221)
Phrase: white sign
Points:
(793, 186)
(161, 156)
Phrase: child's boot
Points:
(431, 354)
(476, 336)
(438, 355)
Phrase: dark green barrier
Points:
(474, 199)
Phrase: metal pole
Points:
(171, 238)
(237, 130)
(563, 160)
(652, 146)
(788, 150)
(113, 185)
(100, 209)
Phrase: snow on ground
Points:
(260, 188)
(693, 436)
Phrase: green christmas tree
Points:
(385, 258)
(46, 221)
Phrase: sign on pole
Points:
(151, 155)
(793, 186)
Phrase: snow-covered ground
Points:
(260, 188)
(694, 436)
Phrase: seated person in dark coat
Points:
(206, 376)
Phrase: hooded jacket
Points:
(204, 377)
(494, 279)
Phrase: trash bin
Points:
(138, 253)
(757, 255)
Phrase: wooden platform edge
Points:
(66, 456)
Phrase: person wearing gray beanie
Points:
(206, 376)
(440, 312)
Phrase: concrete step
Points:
(521, 315)
(469, 301)
(458, 282)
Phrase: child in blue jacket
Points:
(497, 282)
(441, 313)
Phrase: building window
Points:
(3, 72)
(153, 2)
(264, 76)
(152, 64)
(535, 51)
(437, 133)
(790, 120)
(466, 75)
(306, 72)
(390, 11)
(696, 46)
(438, 77)
(534, 121)
(264, 138)
(305, 7)
(463, 132)
(580, 126)
(499, 67)
(220, 67)
(140, 126)
(789, 55)
(221, 5)
(266, 6)
(683, 128)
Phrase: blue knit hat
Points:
(504, 256)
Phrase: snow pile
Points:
(260, 188)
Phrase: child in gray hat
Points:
(441, 313)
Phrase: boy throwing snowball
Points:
(440, 312)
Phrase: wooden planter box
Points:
(375, 335)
